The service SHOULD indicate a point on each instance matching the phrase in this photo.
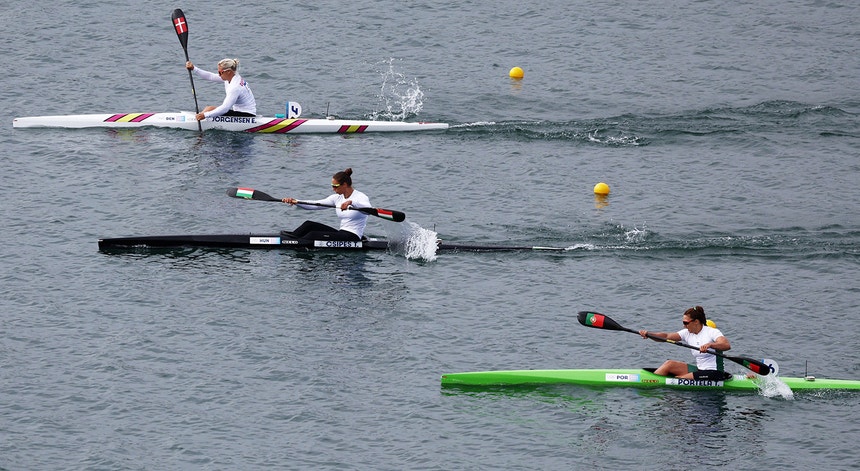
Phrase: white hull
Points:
(185, 120)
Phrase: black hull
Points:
(236, 241)
(276, 242)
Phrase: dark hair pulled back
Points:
(696, 313)
(344, 177)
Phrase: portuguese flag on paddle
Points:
(593, 319)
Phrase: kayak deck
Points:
(631, 378)
(252, 124)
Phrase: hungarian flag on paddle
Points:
(385, 214)
(244, 193)
(592, 319)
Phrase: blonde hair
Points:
(231, 64)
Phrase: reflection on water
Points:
(689, 416)
(179, 257)
(349, 281)
(135, 135)
(343, 269)
(605, 424)
(224, 151)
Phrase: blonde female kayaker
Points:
(239, 100)
(352, 223)
(697, 333)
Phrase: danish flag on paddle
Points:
(180, 24)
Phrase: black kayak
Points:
(279, 241)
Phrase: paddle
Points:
(600, 321)
(252, 194)
(181, 26)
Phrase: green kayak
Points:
(631, 378)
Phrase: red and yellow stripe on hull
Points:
(278, 126)
(286, 125)
(351, 129)
(128, 117)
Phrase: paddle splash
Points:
(413, 241)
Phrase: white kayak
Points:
(185, 120)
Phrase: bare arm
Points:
(660, 335)
(722, 344)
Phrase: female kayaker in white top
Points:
(697, 333)
(239, 100)
(352, 223)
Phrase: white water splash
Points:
(474, 125)
(594, 136)
(582, 246)
(636, 234)
(772, 386)
(413, 241)
(400, 97)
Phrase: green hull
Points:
(630, 378)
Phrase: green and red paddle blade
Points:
(755, 366)
(599, 321)
(180, 24)
(250, 194)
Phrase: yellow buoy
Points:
(601, 189)
(711, 324)
(516, 73)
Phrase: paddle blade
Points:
(249, 194)
(598, 321)
(389, 214)
(181, 27)
(753, 365)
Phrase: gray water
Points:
(728, 134)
